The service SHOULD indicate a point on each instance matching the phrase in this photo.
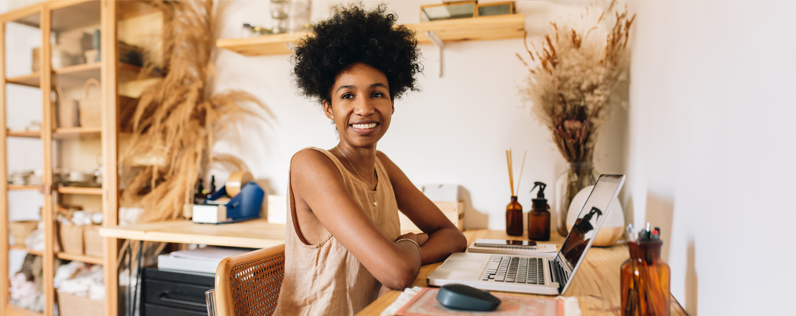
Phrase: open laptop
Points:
(532, 274)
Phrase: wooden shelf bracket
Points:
(440, 45)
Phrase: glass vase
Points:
(645, 280)
(578, 176)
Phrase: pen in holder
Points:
(645, 280)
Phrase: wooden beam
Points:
(46, 139)
(110, 130)
(3, 174)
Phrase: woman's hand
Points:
(420, 239)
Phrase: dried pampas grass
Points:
(178, 120)
(574, 75)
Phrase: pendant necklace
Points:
(349, 162)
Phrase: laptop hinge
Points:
(560, 275)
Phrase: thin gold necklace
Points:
(349, 162)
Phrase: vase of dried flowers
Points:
(571, 87)
(577, 176)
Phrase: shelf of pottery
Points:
(60, 141)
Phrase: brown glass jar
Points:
(539, 221)
(645, 281)
(514, 218)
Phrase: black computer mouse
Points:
(465, 297)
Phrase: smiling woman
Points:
(343, 241)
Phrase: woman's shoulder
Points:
(310, 156)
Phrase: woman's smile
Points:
(361, 105)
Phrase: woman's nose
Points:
(364, 106)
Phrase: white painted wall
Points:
(454, 131)
(710, 149)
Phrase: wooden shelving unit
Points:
(57, 16)
(22, 187)
(28, 134)
(81, 258)
(457, 30)
(79, 190)
(31, 80)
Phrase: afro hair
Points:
(353, 35)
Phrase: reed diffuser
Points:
(514, 225)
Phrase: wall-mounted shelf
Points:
(457, 30)
(79, 190)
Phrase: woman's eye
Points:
(347, 96)
(378, 94)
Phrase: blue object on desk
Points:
(244, 206)
(464, 297)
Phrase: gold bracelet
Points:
(414, 242)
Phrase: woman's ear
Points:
(327, 109)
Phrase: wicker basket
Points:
(72, 305)
(20, 230)
(91, 107)
(71, 237)
(92, 241)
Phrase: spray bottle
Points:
(539, 216)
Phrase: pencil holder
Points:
(645, 281)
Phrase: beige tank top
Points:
(325, 279)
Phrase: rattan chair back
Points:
(249, 284)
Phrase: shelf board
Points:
(28, 134)
(81, 258)
(456, 30)
(80, 190)
(12, 187)
(33, 252)
(75, 76)
(19, 311)
(75, 14)
(66, 132)
(31, 80)
(257, 233)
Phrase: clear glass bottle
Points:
(514, 225)
(645, 281)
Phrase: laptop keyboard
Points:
(510, 269)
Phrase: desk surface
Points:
(596, 284)
(251, 234)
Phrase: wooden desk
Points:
(596, 284)
(251, 234)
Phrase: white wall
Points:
(710, 151)
(454, 131)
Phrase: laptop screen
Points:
(589, 221)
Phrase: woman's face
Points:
(360, 106)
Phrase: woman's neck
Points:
(361, 160)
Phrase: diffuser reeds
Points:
(510, 163)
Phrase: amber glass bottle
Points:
(645, 281)
(514, 218)
(539, 216)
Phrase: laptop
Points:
(534, 274)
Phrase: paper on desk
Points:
(209, 253)
(425, 303)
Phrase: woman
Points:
(343, 241)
